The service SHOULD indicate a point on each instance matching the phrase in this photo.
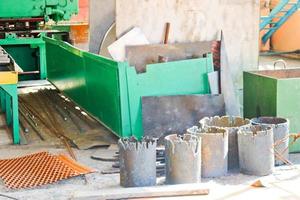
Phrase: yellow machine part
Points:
(8, 78)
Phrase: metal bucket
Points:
(256, 154)
(232, 124)
(281, 136)
(214, 151)
(183, 159)
(137, 162)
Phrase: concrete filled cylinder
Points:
(137, 162)
(281, 136)
(183, 159)
(232, 124)
(214, 151)
(256, 154)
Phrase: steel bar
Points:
(24, 125)
(56, 127)
(71, 107)
(29, 72)
(52, 128)
(32, 126)
(27, 113)
(74, 119)
(61, 113)
(167, 33)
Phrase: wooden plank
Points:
(143, 192)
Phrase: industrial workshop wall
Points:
(111, 91)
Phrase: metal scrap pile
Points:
(53, 118)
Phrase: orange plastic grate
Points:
(39, 169)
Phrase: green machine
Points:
(21, 33)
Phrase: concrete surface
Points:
(283, 184)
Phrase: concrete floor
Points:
(283, 184)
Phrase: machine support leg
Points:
(12, 111)
(2, 99)
(43, 70)
(8, 109)
(15, 111)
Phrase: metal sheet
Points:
(141, 55)
(111, 91)
(174, 114)
(274, 93)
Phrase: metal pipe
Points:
(256, 151)
(183, 159)
(137, 162)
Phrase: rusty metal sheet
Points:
(39, 169)
(166, 115)
(141, 55)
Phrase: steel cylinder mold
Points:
(281, 136)
(137, 162)
(214, 151)
(232, 124)
(183, 159)
(256, 154)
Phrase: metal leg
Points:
(15, 113)
(12, 111)
(2, 99)
(43, 70)
(8, 109)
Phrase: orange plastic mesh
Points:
(38, 169)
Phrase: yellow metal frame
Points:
(8, 78)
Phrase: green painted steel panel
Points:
(259, 95)
(111, 91)
(49, 9)
(67, 70)
(288, 105)
(102, 82)
(274, 95)
(90, 80)
(172, 78)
